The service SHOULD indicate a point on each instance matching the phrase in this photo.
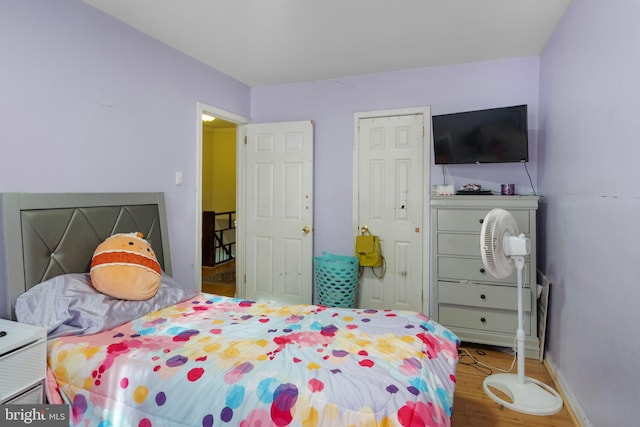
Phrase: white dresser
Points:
(467, 299)
(23, 361)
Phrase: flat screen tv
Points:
(495, 135)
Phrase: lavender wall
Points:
(588, 171)
(333, 103)
(87, 104)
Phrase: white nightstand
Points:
(23, 361)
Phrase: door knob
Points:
(306, 229)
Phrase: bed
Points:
(185, 358)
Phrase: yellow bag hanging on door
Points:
(369, 253)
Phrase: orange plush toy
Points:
(124, 266)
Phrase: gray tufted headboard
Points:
(47, 234)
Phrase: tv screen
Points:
(496, 135)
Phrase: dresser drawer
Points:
(472, 269)
(34, 396)
(459, 244)
(21, 368)
(483, 296)
(504, 321)
(470, 219)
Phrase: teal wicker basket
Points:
(336, 279)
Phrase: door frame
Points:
(239, 121)
(426, 176)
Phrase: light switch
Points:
(179, 178)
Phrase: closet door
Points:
(391, 178)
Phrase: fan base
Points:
(531, 397)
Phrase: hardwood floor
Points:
(221, 287)
(472, 407)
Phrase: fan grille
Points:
(497, 225)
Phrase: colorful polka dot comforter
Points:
(217, 361)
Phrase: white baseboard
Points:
(570, 399)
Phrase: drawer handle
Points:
(481, 220)
(483, 320)
(482, 270)
(483, 296)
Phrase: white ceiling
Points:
(270, 42)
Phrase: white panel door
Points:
(279, 212)
(390, 204)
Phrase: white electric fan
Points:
(504, 249)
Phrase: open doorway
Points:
(218, 205)
(290, 266)
(218, 199)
